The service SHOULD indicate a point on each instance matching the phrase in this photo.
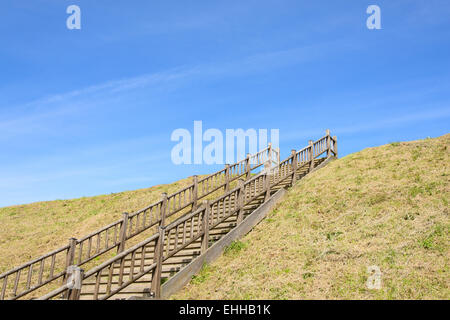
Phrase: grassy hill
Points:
(28, 231)
(385, 206)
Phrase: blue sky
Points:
(91, 111)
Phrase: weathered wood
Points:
(335, 147)
(71, 252)
(195, 193)
(205, 226)
(227, 178)
(240, 201)
(123, 232)
(158, 259)
(311, 155)
(159, 251)
(164, 210)
(294, 166)
(328, 138)
(247, 166)
(69, 261)
(267, 180)
(77, 278)
(269, 148)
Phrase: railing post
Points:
(77, 275)
(158, 259)
(123, 232)
(294, 166)
(159, 250)
(71, 252)
(241, 200)
(328, 143)
(267, 180)
(270, 152)
(227, 178)
(69, 262)
(205, 226)
(311, 155)
(278, 156)
(335, 147)
(247, 166)
(195, 194)
(164, 209)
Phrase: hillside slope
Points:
(28, 231)
(384, 206)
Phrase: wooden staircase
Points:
(142, 286)
(133, 255)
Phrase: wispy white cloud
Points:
(33, 116)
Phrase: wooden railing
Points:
(51, 267)
(185, 230)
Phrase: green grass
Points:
(385, 206)
(234, 248)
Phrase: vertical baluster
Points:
(52, 266)
(16, 282)
(158, 259)
(3, 292)
(241, 199)
(115, 234)
(227, 178)
(151, 215)
(143, 257)
(122, 266)
(98, 278)
(110, 276)
(195, 193)
(177, 229)
(131, 273)
(123, 232)
(130, 227)
(89, 248)
(248, 166)
(184, 232)
(106, 238)
(98, 242)
(41, 271)
(294, 166)
(30, 273)
(80, 253)
(144, 219)
(311, 155)
(205, 227)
